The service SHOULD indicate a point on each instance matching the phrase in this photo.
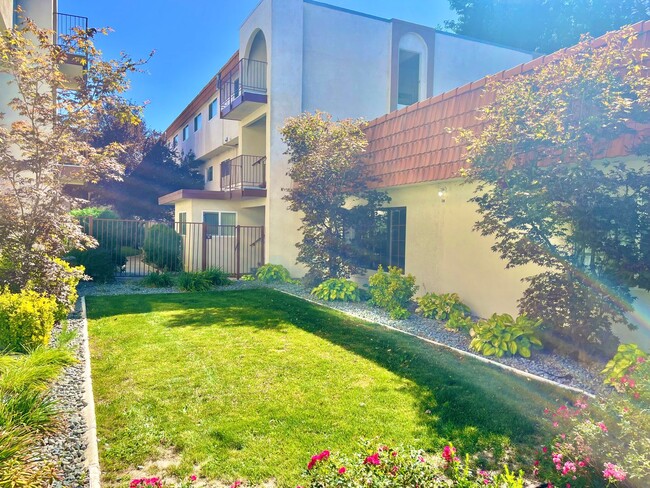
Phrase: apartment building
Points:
(296, 56)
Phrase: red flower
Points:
(236, 484)
(374, 459)
(448, 453)
(342, 470)
(193, 477)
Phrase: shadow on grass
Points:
(475, 405)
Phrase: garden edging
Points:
(483, 359)
(92, 451)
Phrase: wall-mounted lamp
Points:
(442, 193)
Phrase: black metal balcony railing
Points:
(243, 172)
(248, 76)
(68, 25)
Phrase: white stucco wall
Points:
(346, 63)
(6, 14)
(458, 61)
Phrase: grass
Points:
(249, 384)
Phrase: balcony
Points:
(241, 177)
(244, 176)
(66, 25)
(242, 90)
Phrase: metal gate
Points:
(142, 247)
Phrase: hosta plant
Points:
(273, 273)
(503, 334)
(337, 289)
(459, 321)
(440, 307)
(627, 356)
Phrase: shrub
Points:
(99, 263)
(128, 251)
(247, 277)
(392, 290)
(217, 276)
(405, 467)
(603, 442)
(273, 273)
(61, 284)
(459, 321)
(158, 280)
(502, 334)
(163, 248)
(95, 212)
(337, 289)
(312, 279)
(441, 307)
(194, 281)
(26, 319)
(627, 356)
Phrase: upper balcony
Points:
(67, 25)
(240, 177)
(242, 90)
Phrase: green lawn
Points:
(249, 384)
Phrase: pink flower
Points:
(193, 477)
(613, 472)
(536, 463)
(544, 449)
(421, 459)
(394, 453)
(555, 424)
(394, 470)
(602, 426)
(318, 457)
(582, 464)
(374, 459)
(342, 470)
(569, 467)
(236, 484)
(640, 360)
(448, 453)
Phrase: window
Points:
(408, 90)
(212, 109)
(175, 141)
(197, 122)
(220, 223)
(209, 174)
(385, 241)
(182, 223)
(186, 132)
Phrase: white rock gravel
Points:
(67, 448)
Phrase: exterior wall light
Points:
(442, 193)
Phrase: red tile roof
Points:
(414, 145)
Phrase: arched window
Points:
(412, 74)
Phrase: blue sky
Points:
(194, 38)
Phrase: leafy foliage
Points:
(544, 25)
(330, 189)
(27, 414)
(273, 273)
(627, 356)
(163, 248)
(216, 276)
(26, 319)
(459, 321)
(51, 126)
(337, 289)
(440, 307)
(547, 203)
(392, 291)
(401, 468)
(502, 334)
(158, 280)
(99, 263)
(194, 281)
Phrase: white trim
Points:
(219, 212)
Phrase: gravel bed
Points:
(67, 448)
(561, 369)
(132, 286)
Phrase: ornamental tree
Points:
(331, 190)
(53, 124)
(548, 198)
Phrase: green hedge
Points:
(163, 248)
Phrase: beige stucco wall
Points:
(6, 14)
(446, 255)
